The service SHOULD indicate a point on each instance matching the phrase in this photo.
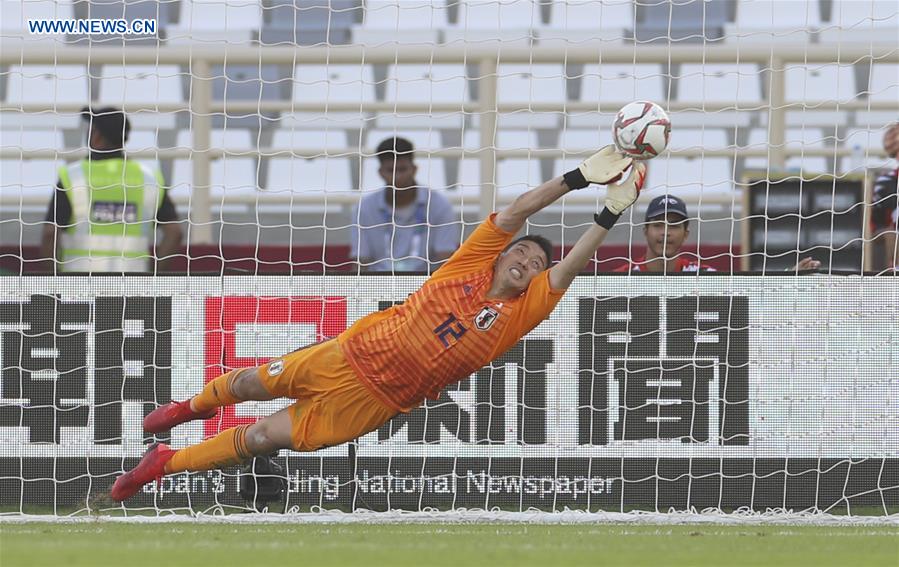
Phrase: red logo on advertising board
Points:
(225, 314)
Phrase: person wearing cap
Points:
(666, 228)
(106, 208)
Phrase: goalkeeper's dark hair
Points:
(394, 148)
(540, 241)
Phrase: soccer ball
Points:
(642, 129)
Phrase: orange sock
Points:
(216, 393)
(227, 448)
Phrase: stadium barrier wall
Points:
(651, 393)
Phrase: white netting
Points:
(264, 118)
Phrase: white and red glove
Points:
(622, 195)
(605, 166)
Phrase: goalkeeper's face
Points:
(517, 266)
(666, 235)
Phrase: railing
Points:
(772, 60)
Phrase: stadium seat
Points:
(772, 20)
(310, 22)
(350, 121)
(613, 85)
(400, 21)
(142, 85)
(128, 10)
(49, 85)
(719, 83)
(884, 83)
(521, 84)
(32, 180)
(328, 140)
(691, 177)
(666, 22)
(820, 82)
(31, 139)
(235, 21)
(231, 174)
(427, 83)
(490, 21)
(16, 14)
(299, 175)
(873, 21)
(514, 176)
(143, 140)
(333, 83)
(579, 140)
(794, 138)
(864, 142)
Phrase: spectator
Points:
(667, 228)
(104, 212)
(885, 210)
(403, 226)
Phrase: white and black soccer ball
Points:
(642, 129)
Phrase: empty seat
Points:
(30, 180)
(234, 21)
(427, 83)
(231, 174)
(142, 85)
(622, 83)
(719, 83)
(327, 140)
(127, 10)
(794, 138)
(299, 175)
(515, 176)
(333, 83)
(47, 85)
(816, 83)
(589, 14)
(773, 20)
(310, 22)
(400, 21)
(572, 140)
(349, 121)
(852, 21)
(699, 139)
(30, 139)
(884, 83)
(16, 14)
(522, 83)
(489, 21)
(690, 176)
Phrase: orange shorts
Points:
(332, 406)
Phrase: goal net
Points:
(738, 357)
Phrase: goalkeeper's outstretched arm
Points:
(603, 167)
(620, 197)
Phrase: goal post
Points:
(758, 387)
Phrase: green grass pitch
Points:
(99, 544)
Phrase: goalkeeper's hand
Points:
(622, 195)
(605, 166)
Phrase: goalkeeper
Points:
(488, 295)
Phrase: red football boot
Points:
(150, 467)
(171, 414)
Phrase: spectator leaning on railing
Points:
(105, 210)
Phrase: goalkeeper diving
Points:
(491, 292)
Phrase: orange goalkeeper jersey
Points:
(448, 329)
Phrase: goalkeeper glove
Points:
(605, 166)
(622, 195)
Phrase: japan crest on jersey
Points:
(485, 318)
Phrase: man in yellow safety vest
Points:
(106, 208)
